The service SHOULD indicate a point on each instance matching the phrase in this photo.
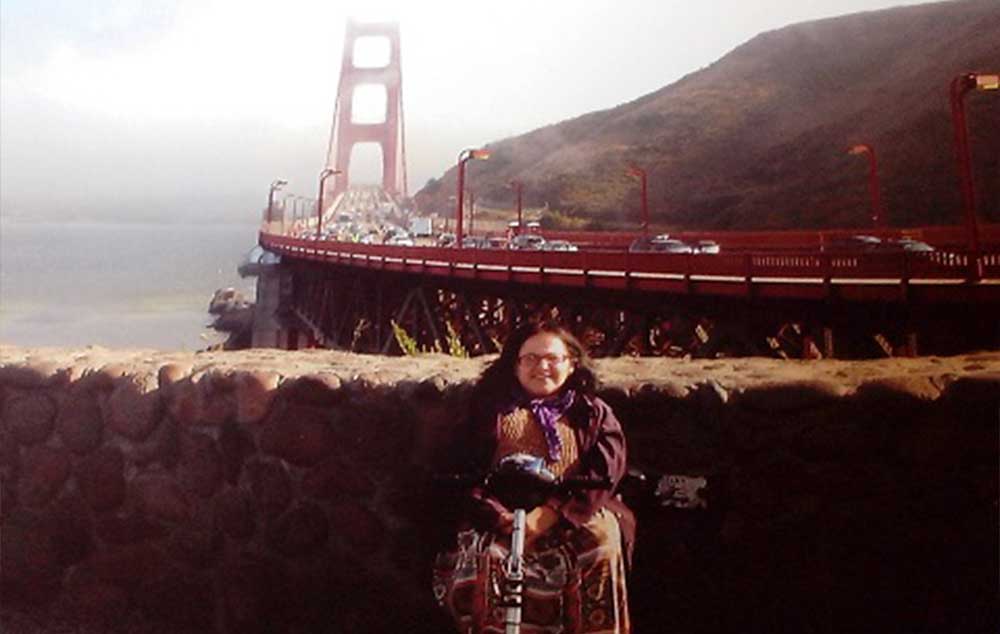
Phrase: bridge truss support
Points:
(365, 310)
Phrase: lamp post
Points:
(472, 211)
(302, 210)
(275, 186)
(447, 225)
(464, 157)
(635, 170)
(959, 87)
(325, 174)
(873, 182)
(518, 187)
(287, 212)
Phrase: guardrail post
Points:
(826, 267)
(827, 342)
(687, 273)
(975, 270)
(748, 274)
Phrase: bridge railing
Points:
(721, 264)
(808, 266)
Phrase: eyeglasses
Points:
(531, 360)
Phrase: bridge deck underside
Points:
(371, 310)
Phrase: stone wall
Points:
(263, 491)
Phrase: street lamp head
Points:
(635, 170)
(469, 154)
(987, 82)
(275, 186)
(861, 148)
(976, 81)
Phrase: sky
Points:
(186, 110)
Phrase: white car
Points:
(400, 241)
(707, 246)
(559, 245)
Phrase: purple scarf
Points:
(547, 410)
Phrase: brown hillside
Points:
(757, 139)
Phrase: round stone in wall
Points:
(30, 417)
(133, 409)
(301, 531)
(44, 471)
(79, 423)
(101, 478)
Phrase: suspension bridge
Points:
(344, 281)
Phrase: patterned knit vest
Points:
(520, 432)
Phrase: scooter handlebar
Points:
(571, 483)
(583, 483)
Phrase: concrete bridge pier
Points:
(267, 330)
(274, 325)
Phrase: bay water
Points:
(117, 284)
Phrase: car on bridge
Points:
(400, 240)
(710, 247)
(662, 243)
(873, 244)
(559, 245)
(851, 244)
(909, 245)
(527, 242)
(446, 240)
(475, 242)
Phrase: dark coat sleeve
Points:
(603, 456)
(479, 507)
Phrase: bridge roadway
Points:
(940, 276)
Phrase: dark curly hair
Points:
(499, 380)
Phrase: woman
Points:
(538, 398)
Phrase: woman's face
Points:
(543, 364)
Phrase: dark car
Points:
(908, 245)
(475, 242)
(527, 241)
(660, 244)
(851, 244)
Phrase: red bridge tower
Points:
(389, 133)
